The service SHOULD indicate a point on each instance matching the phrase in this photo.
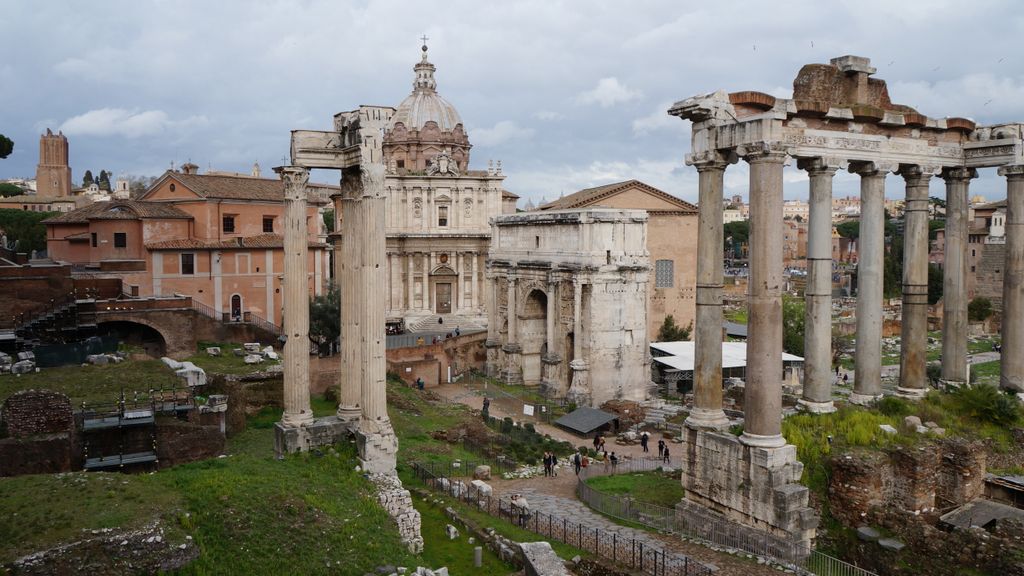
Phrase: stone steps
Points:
(449, 323)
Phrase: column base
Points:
(378, 447)
(297, 420)
(911, 393)
(952, 384)
(705, 419)
(349, 414)
(812, 407)
(318, 433)
(864, 399)
(760, 441)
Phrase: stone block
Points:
(868, 534)
(238, 352)
(887, 429)
(541, 560)
(931, 424)
(480, 489)
(213, 351)
(451, 532)
(269, 353)
(912, 422)
(23, 367)
(97, 359)
(253, 358)
(891, 544)
(251, 347)
(482, 472)
(27, 355)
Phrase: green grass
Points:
(94, 384)
(227, 362)
(414, 418)
(986, 372)
(456, 554)
(738, 315)
(657, 488)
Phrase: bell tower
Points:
(53, 175)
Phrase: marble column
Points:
(579, 385)
(817, 390)
(349, 270)
(427, 259)
(1012, 364)
(707, 410)
(551, 312)
(297, 411)
(914, 329)
(410, 281)
(954, 276)
(870, 264)
(474, 262)
(762, 403)
(513, 373)
(513, 312)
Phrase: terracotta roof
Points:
(248, 242)
(592, 196)
(34, 199)
(119, 210)
(80, 236)
(230, 187)
(507, 194)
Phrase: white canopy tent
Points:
(680, 355)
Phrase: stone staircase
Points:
(658, 411)
(448, 323)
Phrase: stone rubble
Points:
(397, 501)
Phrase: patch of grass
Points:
(737, 315)
(660, 488)
(456, 554)
(414, 417)
(227, 362)
(986, 372)
(94, 384)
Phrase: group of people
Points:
(550, 461)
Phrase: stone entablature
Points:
(568, 307)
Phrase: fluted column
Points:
(954, 277)
(372, 233)
(513, 316)
(297, 410)
(870, 264)
(817, 390)
(349, 270)
(410, 281)
(551, 312)
(1012, 360)
(762, 402)
(914, 329)
(707, 410)
(474, 298)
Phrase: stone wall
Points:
(397, 501)
(178, 442)
(431, 361)
(988, 279)
(30, 412)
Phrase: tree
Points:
(934, 284)
(6, 146)
(933, 228)
(88, 180)
(672, 332)
(793, 318)
(104, 180)
(25, 228)
(7, 190)
(842, 345)
(139, 184)
(849, 229)
(325, 319)
(329, 220)
(979, 309)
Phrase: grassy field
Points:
(658, 488)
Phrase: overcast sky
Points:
(567, 94)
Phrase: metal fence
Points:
(695, 523)
(628, 552)
(520, 402)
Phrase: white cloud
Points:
(548, 115)
(125, 123)
(670, 175)
(609, 91)
(659, 119)
(502, 132)
(974, 94)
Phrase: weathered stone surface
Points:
(23, 367)
(451, 532)
(888, 429)
(868, 534)
(398, 503)
(912, 422)
(541, 560)
(891, 544)
(213, 351)
(482, 472)
(253, 358)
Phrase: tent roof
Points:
(585, 420)
(680, 355)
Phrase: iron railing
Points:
(694, 523)
(630, 552)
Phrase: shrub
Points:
(934, 372)
(893, 406)
(987, 403)
(979, 309)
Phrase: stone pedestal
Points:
(549, 380)
(318, 433)
(512, 372)
(757, 486)
(492, 367)
(378, 449)
(579, 389)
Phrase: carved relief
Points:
(417, 208)
(443, 165)
(565, 313)
(468, 208)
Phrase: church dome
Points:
(425, 104)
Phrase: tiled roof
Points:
(248, 242)
(119, 210)
(507, 194)
(591, 196)
(34, 199)
(227, 187)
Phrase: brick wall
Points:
(431, 361)
(31, 412)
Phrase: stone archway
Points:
(443, 284)
(136, 334)
(533, 335)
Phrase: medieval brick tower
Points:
(53, 175)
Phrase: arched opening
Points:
(533, 335)
(136, 335)
(236, 307)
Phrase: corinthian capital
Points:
(765, 151)
(295, 179)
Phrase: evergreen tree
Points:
(325, 318)
(104, 180)
(672, 332)
(6, 146)
(87, 180)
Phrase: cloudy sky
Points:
(567, 94)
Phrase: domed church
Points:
(438, 212)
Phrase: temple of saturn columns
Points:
(838, 119)
(354, 147)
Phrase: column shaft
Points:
(707, 375)
(954, 278)
(410, 281)
(428, 259)
(870, 263)
(513, 316)
(1012, 363)
(914, 329)
(374, 388)
(296, 299)
(349, 398)
(577, 320)
(763, 398)
(817, 391)
(550, 320)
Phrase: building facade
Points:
(568, 303)
(215, 238)
(671, 243)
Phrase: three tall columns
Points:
(707, 410)
(870, 263)
(297, 410)
(1012, 364)
(914, 327)
(954, 281)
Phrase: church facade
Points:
(438, 211)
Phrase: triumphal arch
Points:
(840, 118)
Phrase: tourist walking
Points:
(554, 464)
(661, 449)
(577, 461)
(547, 464)
(643, 440)
(597, 442)
(486, 412)
(521, 508)
(665, 456)
(613, 459)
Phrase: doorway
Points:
(443, 298)
(236, 308)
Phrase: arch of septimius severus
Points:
(839, 118)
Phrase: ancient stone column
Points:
(954, 277)
(297, 411)
(513, 374)
(914, 330)
(707, 375)
(1012, 360)
(870, 263)
(349, 269)
(762, 403)
(552, 311)
(427, 261)
(817, 391)
(410, 281)
(513, 312)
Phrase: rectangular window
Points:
(120, 240)
(188, 264)
(442, 215)
(400, 163)
(92, 239)
(268, 224)
(229, 223)
(664, 273)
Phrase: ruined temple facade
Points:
(437, 209)
(840, 118)
(568, 303)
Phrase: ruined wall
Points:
(178, 442)
(39, 426)
(431, 361)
